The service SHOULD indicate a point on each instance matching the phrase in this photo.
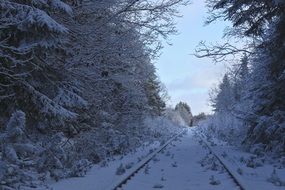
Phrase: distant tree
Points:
(185, 112)
(200, 117)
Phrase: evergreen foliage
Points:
(185, 112)
(257, 88)
(81, 72)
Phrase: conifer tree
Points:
(263, 105)
(185, 112)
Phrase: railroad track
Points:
(233, 174)
(134, 170)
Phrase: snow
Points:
(61, 5)
(70, 99)
(179, 167)
(186, 163)
(101, 175)
(62, 131)
(251, 171)
(139, 165)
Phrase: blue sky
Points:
(186, 77)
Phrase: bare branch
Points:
(220, 52)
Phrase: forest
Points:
(78, 84)
(249, 102)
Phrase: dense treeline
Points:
(251, 95)
(76, 75)
(185, 112)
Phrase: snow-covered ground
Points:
(102, 175)
(184, 164)
(252, 171)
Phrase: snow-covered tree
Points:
(223, 101)
(29, 34)
(265, 115)
(261, 103)
(113, 48)
(82, 76)
(153, 90)
(198, 118)
(185, 112)
(17, 153)
(239, 75)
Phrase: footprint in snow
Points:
(167, 153)
(158, 186)
(155, 159)
(146, 170)
(174, 164)
(214, 181)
